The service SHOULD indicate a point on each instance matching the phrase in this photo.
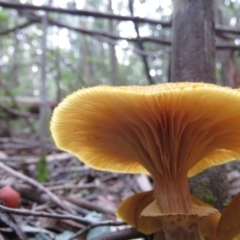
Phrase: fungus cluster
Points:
(171, 131)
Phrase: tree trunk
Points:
(193, 59)
(193, 42)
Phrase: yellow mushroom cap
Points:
(229, 223)
(130, 211)
(162, 129)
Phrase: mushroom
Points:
(170, 131)
(229, 223)
(130, 211)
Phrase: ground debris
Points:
(61, 205)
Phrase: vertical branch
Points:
(84, 54)
(58, 69)
(14, 72)
(58, 76)
(113, 57)
(140, 45)
(43, 90)
(225, 57)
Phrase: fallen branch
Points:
(17, 112)
(21, 26)
(128, 233)
(88, 205)
(59, 216)
(83, 13)
(103, 36)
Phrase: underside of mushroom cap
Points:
(161, 129)
(217, 157)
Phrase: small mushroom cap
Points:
(229, 223)
(162, 129)
(199, 211)
(130, 210)
(208, 225)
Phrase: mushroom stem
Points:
(173, 195)
(173, 198)
(181, 233)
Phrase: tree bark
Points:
(193, 59)
(193, 41)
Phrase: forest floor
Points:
(78, 202)
(73, 202)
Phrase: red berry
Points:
(9, 197)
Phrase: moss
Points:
(42, 168)
(210, 199)
(205, 181)
(226, 202)
(203, 191)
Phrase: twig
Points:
(83, 13)
(71, 186)
(218, 28)
(43, 214)
(108, 37)
(89, 205)
(6, 219)
(80, 232)
(129, 233)
(220, 46)
(34, 183)
(18, 112)
(59, 216)
(24, 25)
(49, 158)
(9, 93)
(1, 237)
(94, 33)
(224, 29)
(26, 160)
